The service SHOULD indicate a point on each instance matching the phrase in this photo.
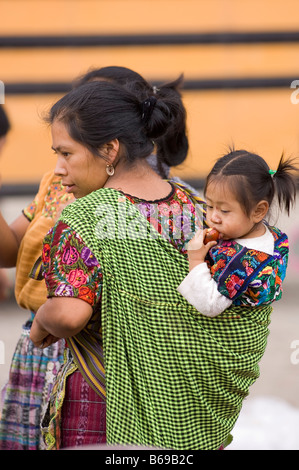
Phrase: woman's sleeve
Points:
(70, 268)
(201, 291)
(30, 210)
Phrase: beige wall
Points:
(262, 120)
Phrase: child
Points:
(247, 266)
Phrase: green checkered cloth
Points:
(174, 378)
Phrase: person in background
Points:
(33, 369)
(4, 127)
(173, 147)
(247, 265)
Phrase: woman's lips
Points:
(69, 187)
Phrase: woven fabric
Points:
(31, 377)
(174, 379)
(83, 420)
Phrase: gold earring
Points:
(110, 170)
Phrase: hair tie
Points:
(272, 172)
(147, 108)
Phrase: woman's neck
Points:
(139, 180)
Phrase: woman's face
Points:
(81, 171)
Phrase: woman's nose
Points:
(60, 170)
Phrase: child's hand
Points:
(197, 250)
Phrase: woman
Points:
(33, 369)
(169, 377)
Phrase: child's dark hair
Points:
(100, 111)
(251, 180)
(172, 147)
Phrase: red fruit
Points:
(211, 235)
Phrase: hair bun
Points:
(156, 116)
(147, 108)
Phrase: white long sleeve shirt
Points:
(200, 289)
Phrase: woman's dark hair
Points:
(172, 147)
(100, 111)
(113, 73)
(4, 122)
(251, 180)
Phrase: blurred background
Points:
(240, 60)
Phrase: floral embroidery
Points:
(77, 277)
(88, 257)
(85, 293)
(249, 277)
(70, 255)
(233, 285)
(182, 196)
(64, 290)
(71, 270)
(175, 217)
(46, 253)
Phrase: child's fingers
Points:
(197, 241)
(209, 245)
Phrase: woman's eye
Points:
(65, 154)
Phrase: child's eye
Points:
(225, 212)
(65, 154)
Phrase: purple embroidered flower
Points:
(147, 209)
(88, 257)
(64, 290)
(70, 255)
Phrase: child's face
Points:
(226, 214)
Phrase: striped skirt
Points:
(76, 414)
(83, 420)
(31, 377)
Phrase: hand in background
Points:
(5, 285)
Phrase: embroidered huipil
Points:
(250, 277)
(240, 272)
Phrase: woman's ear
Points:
(110, 150)
(260, 211)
